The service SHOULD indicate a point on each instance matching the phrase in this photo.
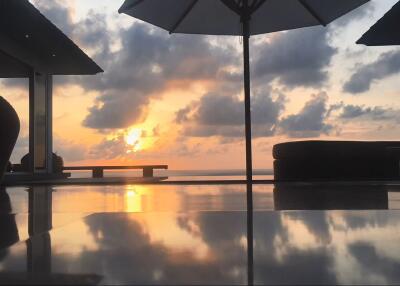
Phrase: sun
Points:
(132, 139)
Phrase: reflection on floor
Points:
(302, 234)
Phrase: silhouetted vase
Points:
(9, 130)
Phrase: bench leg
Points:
(148, 172)
(98, 173)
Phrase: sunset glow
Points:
(132, 139)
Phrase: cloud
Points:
(372, 113)
(109, 148)
(223, 115)
(93, 33)
(295, 58)
(310, 121)
(147, 61)
(367, 10)
(90, 33)
(58, 12)
(117, 110)
(386, 65)
(21, 148)
(69, 150)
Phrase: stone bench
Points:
(98, 171)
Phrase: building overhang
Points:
(28, 40)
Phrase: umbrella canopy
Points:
(238, 17)
(223, 17)
(386, 32)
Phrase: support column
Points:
(40, 122)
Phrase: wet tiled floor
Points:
(302, 234)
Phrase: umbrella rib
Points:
(257, 5)
(183, 16)
(312, 12)
(130, 6)
(254, 3)
(233, 6)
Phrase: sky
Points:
(178, 99)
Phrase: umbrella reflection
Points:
(250, 241)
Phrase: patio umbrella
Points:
(241, 18)
(385, 32)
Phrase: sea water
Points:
(185, 175)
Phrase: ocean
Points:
(186, 175)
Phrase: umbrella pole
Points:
(249, 167)
(247, 102)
